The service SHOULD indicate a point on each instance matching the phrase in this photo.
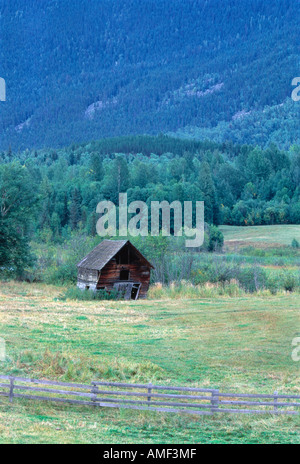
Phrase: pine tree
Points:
(121, 172)
(207, 187)
(17, 207)
(65, 214)
(75, 209)
(96, 167)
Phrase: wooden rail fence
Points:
(201, 401)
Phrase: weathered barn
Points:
(115, 264)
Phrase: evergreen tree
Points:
(18, 200)
(207, 187)
(65, 213)
(75, 209)
(96, 167)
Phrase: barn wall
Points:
(110, 274)
(87, 277)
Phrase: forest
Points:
(78, 71)
(48, 195)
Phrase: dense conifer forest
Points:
(241, 185)
(49, 197)
(208, 69)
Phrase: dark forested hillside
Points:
(83, 69)
(240, 185)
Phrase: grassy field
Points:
(238, 344)
(261, 235)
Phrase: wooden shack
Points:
(115, 264)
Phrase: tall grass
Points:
(88, 295)
(194, 274)
(65, 366)
(187, 290)
(283, 283)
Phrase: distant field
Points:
(261, 235)
(242, 344)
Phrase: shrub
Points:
(251, 279)
(290, 281)
(89, 295)
(216, 239)
(285, 280)
(273, 283)
(295, 243)
(63, 274)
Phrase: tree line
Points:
(48, 194)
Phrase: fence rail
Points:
(163, 398)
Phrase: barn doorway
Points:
(135, 291)
(128, 290)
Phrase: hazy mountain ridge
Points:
(155, 67)
(277, 124)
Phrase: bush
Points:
(290, 281)
(214, 272)
(216, 239)
(63, 274)
(273, 283)
(285, 280)
(89, 295)
(295, 243)
(251, 279)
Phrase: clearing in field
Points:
(261, 236)
(237, 344)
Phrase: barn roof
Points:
(104, 252)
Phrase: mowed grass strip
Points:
(237, 344)
(268, 235)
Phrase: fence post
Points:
(11, 390)
(149, 393)
(94, 391)
(215, 400)
(275, 401)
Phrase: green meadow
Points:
(261, 235)
(238, 344)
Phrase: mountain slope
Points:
(82, 70)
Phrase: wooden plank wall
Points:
(87, 277)
(110, 274)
